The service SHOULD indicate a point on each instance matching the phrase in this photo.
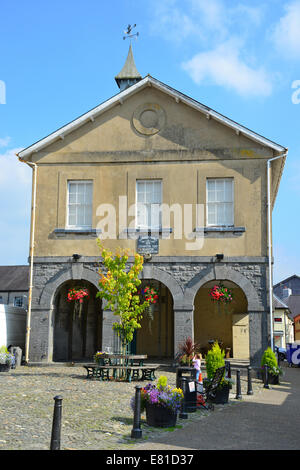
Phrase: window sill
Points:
(221, 230)
(73, 232)
(149, 230)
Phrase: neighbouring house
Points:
(289, 292)
(14, 285)
(153, 170)
(283, 324)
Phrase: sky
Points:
(58, 59)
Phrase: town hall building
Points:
(107, 175)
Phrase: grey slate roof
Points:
(278, 303)
(14, 278)
(293, 302)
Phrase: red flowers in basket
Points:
(150, 294)
(78, 294)
(220, 293)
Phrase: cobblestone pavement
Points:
(95, 415)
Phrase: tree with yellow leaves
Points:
(119, 286)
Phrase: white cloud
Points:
(286, 33)
(224, 66)
(14, 175)
(4, 141)
(202, 21)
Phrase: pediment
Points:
(151, 118)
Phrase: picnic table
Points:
(127, 366)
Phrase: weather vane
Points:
(128, 32)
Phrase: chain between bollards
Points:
(56, 424)
(183, 414)
(238, 385)
(136, 432)
(249, 390)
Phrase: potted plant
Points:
(99, 358)
(6, 359)
(161, 403)
(269, 359)
(214, 360)
(187, 350)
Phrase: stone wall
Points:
(182, 275)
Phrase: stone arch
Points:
(74, 272)
(223, 272)
(152, 272)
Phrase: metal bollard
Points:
(249, 390)
(183, 414)
(238, 385)
(228, 369)
(266, 376)
(136, 431)
(56, 425)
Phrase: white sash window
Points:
(219, 202)
(80, 199)
(149, 199)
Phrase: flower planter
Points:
(273, 379)
(4, 367)
(158, 416)
(222, 395)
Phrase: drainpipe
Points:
(31, 253)
(270, 244)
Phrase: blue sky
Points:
(58, 59)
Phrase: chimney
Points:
(286, 292)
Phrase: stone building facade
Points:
(151, 137)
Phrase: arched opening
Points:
(156, 335)
(227, 323)
(77, 335)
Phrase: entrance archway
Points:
(229, 323)
(156, 336)
(76, 336)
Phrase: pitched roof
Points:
(286, 280)
(14, 278)
(278, 303)
(293, 302)
(123, 95)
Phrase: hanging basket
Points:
(77, 295)
(150, 295)
(222, 297)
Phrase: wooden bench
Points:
(101, 372)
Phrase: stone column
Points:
(183, 325)
(258, 335)
(39, 348)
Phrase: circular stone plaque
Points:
(149, 118)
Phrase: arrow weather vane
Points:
(128, 32)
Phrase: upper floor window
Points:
(18, 302)
(149, 199)
(219, 202)
(80, 199)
